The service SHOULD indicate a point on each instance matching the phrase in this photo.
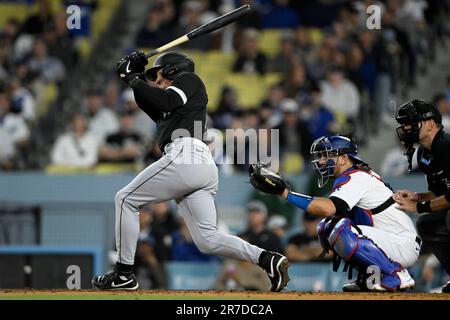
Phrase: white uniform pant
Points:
(401, 248)
(188, 174)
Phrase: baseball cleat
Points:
(446, 288)
(276, 266)
(355, 286)
(401, 280)
(115, 281)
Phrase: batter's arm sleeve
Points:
(150, 98)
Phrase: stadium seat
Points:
(250, 88)
(269, 42)
(316, 35)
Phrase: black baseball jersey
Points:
(179, 110)
(436, 164)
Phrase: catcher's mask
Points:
(410, 116)
(325, 151)
(172, 63)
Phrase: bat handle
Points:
(151, 53)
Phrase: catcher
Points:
(362, 225)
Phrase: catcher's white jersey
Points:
(392, 230)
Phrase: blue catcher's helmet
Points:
(324, 151)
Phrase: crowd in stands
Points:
(331, 84)
(34, 53)
(334, 74)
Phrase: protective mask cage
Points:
(322, 151)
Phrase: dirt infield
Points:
(209, 295)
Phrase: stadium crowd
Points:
(331, 83)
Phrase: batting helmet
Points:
(327, 148)
(171, 63)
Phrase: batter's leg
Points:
(199, 213)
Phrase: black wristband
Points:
(424, 206)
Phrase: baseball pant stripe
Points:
(131, 192)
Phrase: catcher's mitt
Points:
(265, 179)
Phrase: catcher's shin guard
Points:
(363, 252)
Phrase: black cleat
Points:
(116, 281)
(276, 266)
(446, 288)
(355, 286)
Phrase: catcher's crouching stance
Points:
(362, 226)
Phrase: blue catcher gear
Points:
(325, 150)
(324, 229)
(363, 253)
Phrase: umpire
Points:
(420, 122)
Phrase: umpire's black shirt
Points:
(179, 106)
(436, 164)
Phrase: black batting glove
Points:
(125, 72)
(138, 61)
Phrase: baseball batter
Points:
(177, 101)
(363, 226)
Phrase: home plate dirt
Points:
(210, 295)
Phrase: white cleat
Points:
(406, 282)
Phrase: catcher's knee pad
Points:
(343, 239)
(363, 252)
(324, 229)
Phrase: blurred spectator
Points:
(13, 132)
(294, 133)
(320, 62)
(43, 66)
(22, 101)
(157, 29)
(278, 225)
(432, 274)
(77, 147)
(228, 106)
(111, 99)
(281, 15)
(190, 18)
(150, 270)
(250, 59)
(443, 105)
(394, 162)
(216, 145)
(303, 45)
(253, 19)
(447, 88)
(283, 61)
(305, 246)
(102, 121)
(296, 83)
(143, 125)
(276, 206)
(59, 41)
(340, 95)
(125, 146)
(35, 23)
(207, 13)
(321, 122)
(257, 232)
(164, 223)
(184, 248)
(6, 60)
(241, 276)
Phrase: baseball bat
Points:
(204, 29)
